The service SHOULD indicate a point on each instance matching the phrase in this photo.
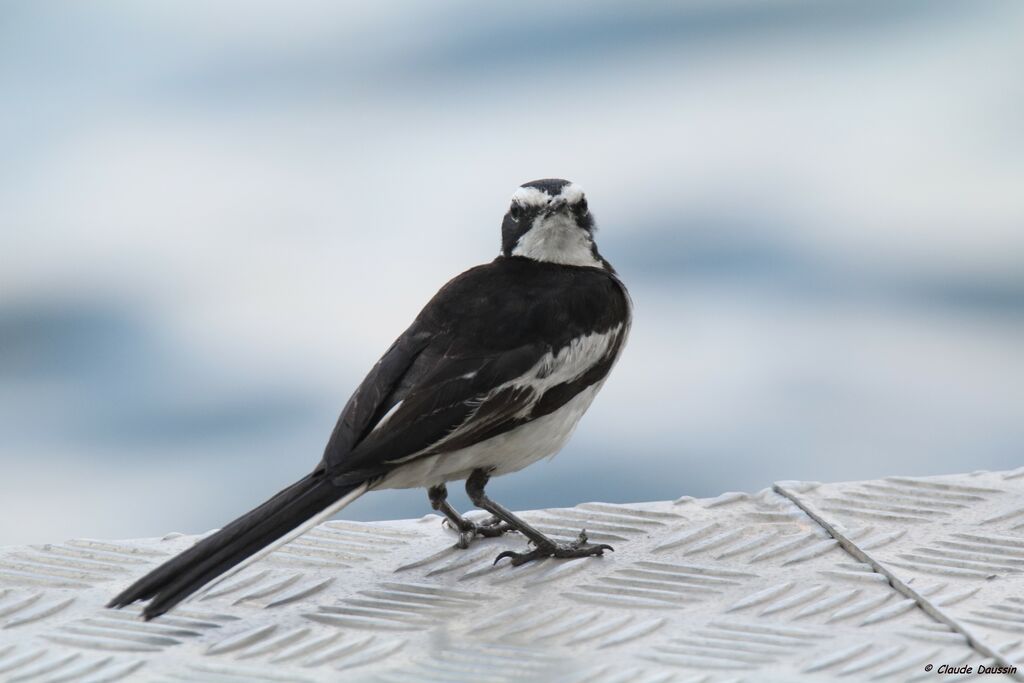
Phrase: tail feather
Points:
(294, 509)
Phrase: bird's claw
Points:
(578, 548)
(488, 528)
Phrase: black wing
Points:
(448, 381)
(438, 393)
(377, 393)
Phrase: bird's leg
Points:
(542, 545)
(467, 528)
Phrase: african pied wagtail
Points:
(493, 375)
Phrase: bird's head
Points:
(549, 220)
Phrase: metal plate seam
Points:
(973, 640)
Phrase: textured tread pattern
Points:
(742, 587)
(953, 543)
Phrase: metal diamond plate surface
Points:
(955, 545)
(866, 581)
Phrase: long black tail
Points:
(184, 574)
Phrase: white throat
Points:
(557, 239)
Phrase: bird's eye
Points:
(581, 206)
(515, 212)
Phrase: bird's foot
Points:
(578, 548)
(468, 530)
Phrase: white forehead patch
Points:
(531, 196)
(572, 193)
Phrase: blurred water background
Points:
(215, 217)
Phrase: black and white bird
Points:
(493, 375)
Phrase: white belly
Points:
(508, 452)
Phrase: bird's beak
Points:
(556, 205)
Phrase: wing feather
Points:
(455, 392)
(375, 396)
(472, 365)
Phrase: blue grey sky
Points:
(213, 219)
